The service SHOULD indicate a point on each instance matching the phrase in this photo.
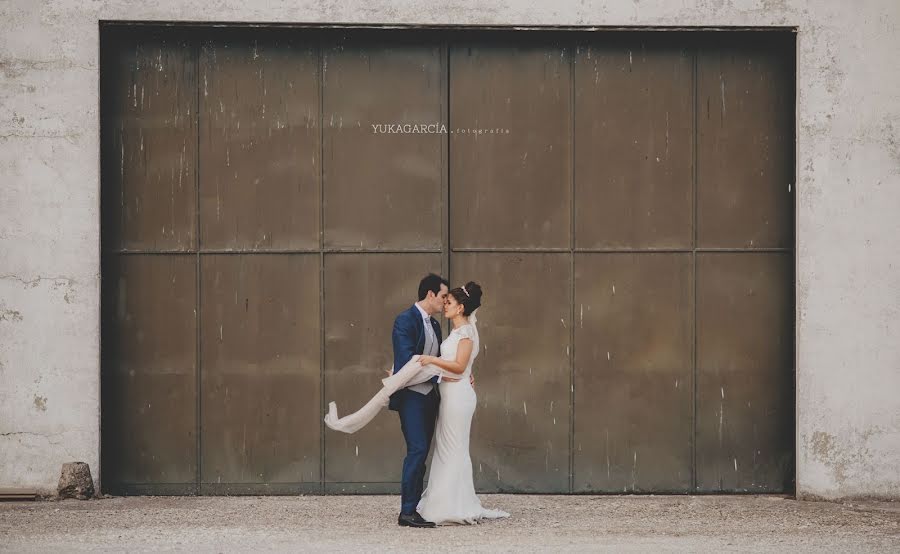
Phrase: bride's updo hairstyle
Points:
(469, 296)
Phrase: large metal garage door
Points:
(626, 200)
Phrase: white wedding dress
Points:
(450, 495)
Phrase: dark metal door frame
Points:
(573, 37)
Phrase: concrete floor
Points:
(367, 523)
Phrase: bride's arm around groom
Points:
(457, 366)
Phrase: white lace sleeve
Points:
(466, 332)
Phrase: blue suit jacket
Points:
(408, 339)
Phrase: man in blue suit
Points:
(417, 332)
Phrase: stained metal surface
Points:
(745, 147)
(260, 379)
(633, 372)
(510, 189)
(364, 293)
(149, 137)
(389, 195)
(149, 372)
(259, 144)
(745, 361)
(582, 387)
(520, 434)
(633, 145)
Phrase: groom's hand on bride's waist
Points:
(453, 380)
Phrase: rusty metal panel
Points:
(633, 146)
(510, 189)
(149, 130)
(745, 147)
(623, 359)
(363, 295)
(149, 384)
(633, 372)
(745, 369)
(520, 434)
(382, 185)
(259, 144)
(260, 378)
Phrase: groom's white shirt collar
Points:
(425, 315)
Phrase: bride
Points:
(450, 495)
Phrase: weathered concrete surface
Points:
(848, 279)
(368, 523)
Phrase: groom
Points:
(416, 332)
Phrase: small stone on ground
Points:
(75, 481)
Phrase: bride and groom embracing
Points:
(431, 388)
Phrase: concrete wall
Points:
(848, 289)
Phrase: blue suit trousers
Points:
(418, 413)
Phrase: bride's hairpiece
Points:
(465, 291)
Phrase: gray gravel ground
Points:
(368, 523)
